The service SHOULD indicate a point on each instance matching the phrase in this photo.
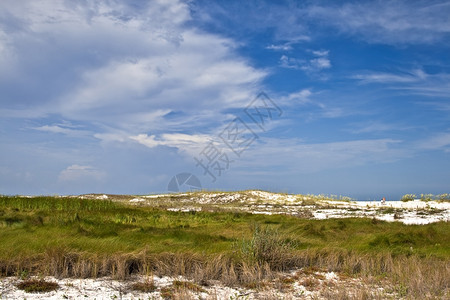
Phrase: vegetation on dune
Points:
(426, 197)
(89, 238)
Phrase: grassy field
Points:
(68, 237)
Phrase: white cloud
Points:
(319, 63)
(198, 74)
(146, 140)
(317, 105)
(371, 127)
(379, 77)
(57, 129)
(440, 141)
(112, 136)
(3, 48)
(290, 62)
(116, 64)
(281, 47)
(313, 65)
(191, 144)
(320, 52)
(415, 81)
(431, 85)
(287, 46)
(81, 173)
(301, 96)
(66, 128)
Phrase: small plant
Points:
(37, 286)
(388, 210)
(236, 296)
(408, 197)
(167, 292)
(179, 287)
(285, 283)
(24, 275)
(426, 197)
(308, 202)
(443, 197)
(187, 285)
(310, 282)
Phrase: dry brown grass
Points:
(146, 286)
(181, 290)
(412, 275)
(182, 284)
(310, 283)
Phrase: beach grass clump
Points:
(444, 197)
(427, 197)
(37, 286)
(408, 197)
(146, 286)
(183, 284)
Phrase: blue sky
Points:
(120, 96)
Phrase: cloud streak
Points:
(81, 173)
(391, 22)
(312, 65)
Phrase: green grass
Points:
(33, 225)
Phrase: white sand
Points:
(106, 288)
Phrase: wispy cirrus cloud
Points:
(191, 144)
(59, 129)
(281, 47)
(391, 22)
(81, 173)
(290, 62)
(287, 21)
(438, 141)
(377, 127)
(66, 128)
(289, 45)
(416, 81)
(399, 77)
(311, 65)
